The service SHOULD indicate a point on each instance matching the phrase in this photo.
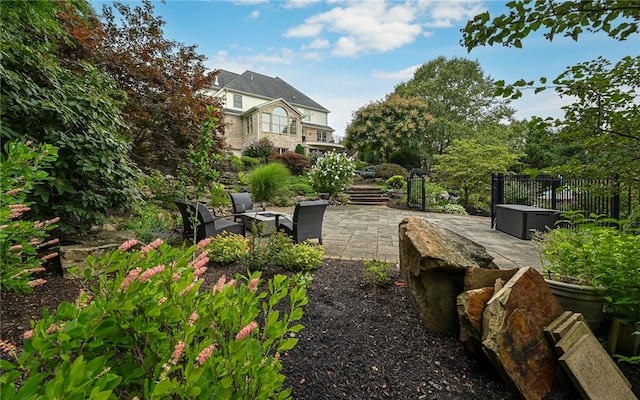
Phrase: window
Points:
(279, 121)
(249, 125)
(306, 115)
(293, 126)
(266, 122)
(237, 101)
(322, 136)
(282, 150)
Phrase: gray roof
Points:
(264, 86)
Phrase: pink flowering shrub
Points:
(147, 329)
(22, 240)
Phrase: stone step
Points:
(366, 195)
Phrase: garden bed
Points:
(359, 341)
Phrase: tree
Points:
(467, 166)
(391, 125)
(52, 98)
(460, 98)
(605, 115)
(163, 80)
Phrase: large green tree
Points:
(49, 95)
(605, 116)
(163, 80)
(391, 125)
(467, 165)
(460, 97)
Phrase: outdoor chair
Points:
(242, 203)
(306, 222)
(208, 225)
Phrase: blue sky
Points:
(345, 54)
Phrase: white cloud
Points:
(402, 75)
(299, 3)
(317, 44)
(306, 30)
(445, 13)
(254, 14)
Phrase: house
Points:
(257, 106)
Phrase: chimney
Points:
(215, 82)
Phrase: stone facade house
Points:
(257, 106)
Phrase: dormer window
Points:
(237, 101)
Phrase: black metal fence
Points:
(417, 188)
(599, 196)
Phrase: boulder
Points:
(75, 251)
(433, 262)
(476, 278)
(513, 337)
(471, 304)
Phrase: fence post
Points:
(615, 203)
(424, 194)
(555, 184)
(497, 195)
(409, 190)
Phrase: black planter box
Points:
(519, 221)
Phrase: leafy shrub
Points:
(21, 240)
(299, 185)
(147, 330)
(219, 197)
(369, 172)
(236, 163)
(149, 222)
(453, 208)
(314, 156)
(387, 170)
(302, 280)
(263, 149)
(299, 149)
(228, 248)
(305, 256)
(243, 179)
(332, 173)
(632, 225)
(250, 162)
(297, 163)
(360, 165)
(376, 272)
(396, 182)
(267, 181)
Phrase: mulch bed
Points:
(359, 341)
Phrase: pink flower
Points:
(131, 276)
(244, 332)
(201, 260)
(52, 221)
(162, 301)
(177, 353)
(203, 243)
(27, 334)
(49, 256)
(253, 284)
(15, 247)
(7, 347)
(231, 283)
(185, 290)
(192, 318)
(52, 329)
(153, 245)
(48, 243)
(176, 276)
(128, 244)
(220, 284)
(204, 355)
(37, 282)
(151, 272)
(13, 191)
(199, 271)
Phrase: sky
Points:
(345, 54)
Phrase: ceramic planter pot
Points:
(582, 299)
(622, 340)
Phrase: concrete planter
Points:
(582, 299)
(622, 341)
